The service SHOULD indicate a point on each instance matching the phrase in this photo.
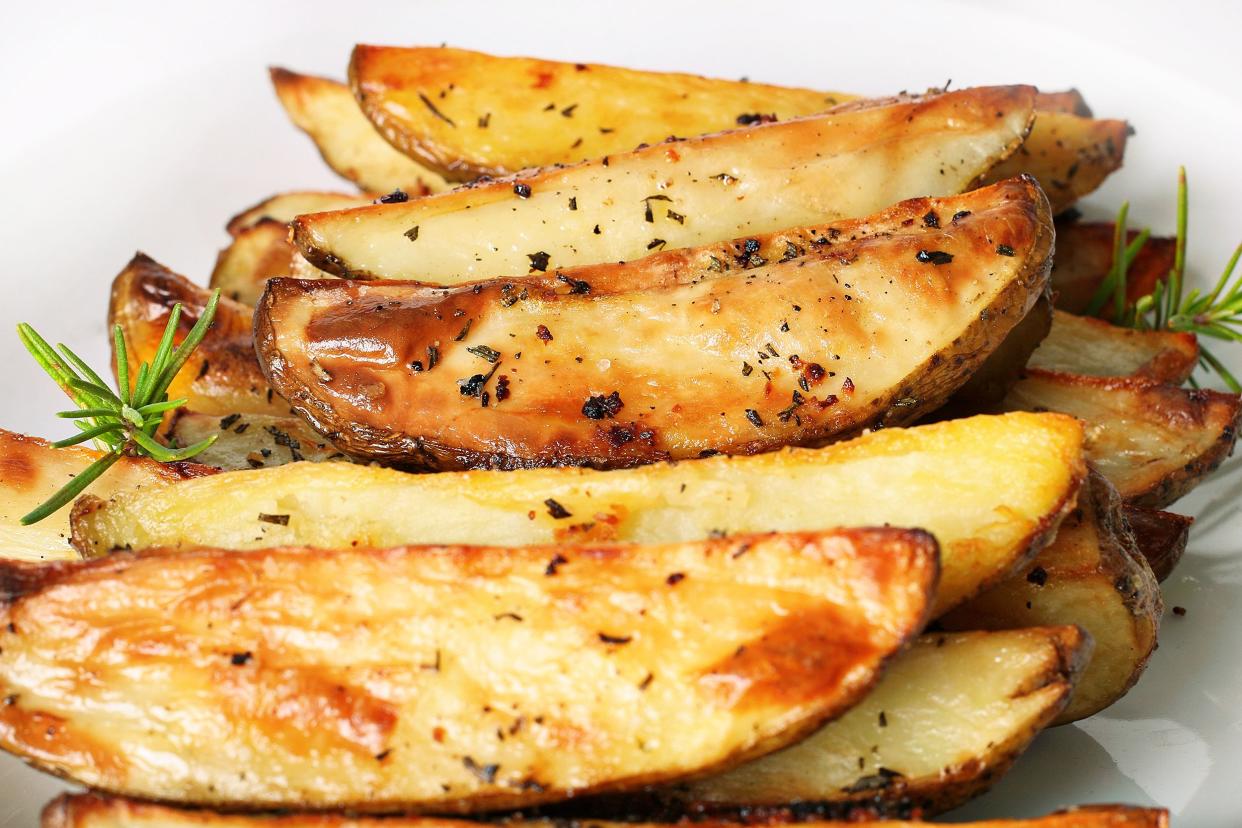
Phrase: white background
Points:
(144, 126)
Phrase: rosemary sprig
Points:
(1216, 314)
(121, 422)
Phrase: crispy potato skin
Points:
(1084, 254)
(92, 810)
(945, 723)
(31, 471)
(324, 109)
(849, 162)
(1154, 442)
(364, 679)
(1093, 347)
(1004, 366)
(1091, 575)
(1161, 537)
(876, 479)
(222, 376)
(352, 358)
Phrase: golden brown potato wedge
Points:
(695, 191)
(516, 374)
(325, 110)
(1091, 575)
(250, 441)
(1093, 347)
(447, 679)
(944, 724)
(255, 255)
(99, 811)
(469, 113)
(1069, 155)
(285, 207)
(31, 471)
(1012, 476)
(222, 376)
(1084, 255)
(1161, 537)
(1154, 442)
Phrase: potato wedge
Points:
(469, 113)
(222, 376)
(1154, 442)
(255, 255)
(285, 207)
(1084, 254)
(250, 441)
(699, 190)
(31, 471)
(1013, 477)
(666, 373)
(1161, 537)
(1091, 575)
(1093, 347)
(93, 810)
(325, 110)
(944, 724)
(446, 679)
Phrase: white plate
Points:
(145, 128)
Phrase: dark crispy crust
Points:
(1161, 537)
(562, 436)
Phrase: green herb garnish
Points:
(121, 422)
(1216, 314)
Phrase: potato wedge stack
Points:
(776, 471)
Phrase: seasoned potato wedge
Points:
(1091, 575)
(696, 191)
(285, 207)
(1154, 442)
(1013, 477)
(446, 678)
(435, 379)
(1093, 347)
(325, 110)
(98, 811)
(1084, 254)
(222, 376)
(255, 255)
(250, 441)
(944, 724)
(1161, 537)
(31, 471)
(470, 113)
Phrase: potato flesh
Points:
(1093, 347)
(325, 110)
(891, 476)
(285, 207)
(446, 678)
(723, 186)
(251, 441)
(949, 716)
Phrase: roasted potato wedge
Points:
(285, 207)
(31, 471)
(98, 811)
(1092, 575)
(665, 373)
(1161, 537)
(255, 255)
(1093, 347)
(325, 110)
(446, 679)
(250, 441)
(944, 724)
(222, 376)
(1084, 255)
(1154, 442)
(469, 113)
(1013, 477)
(696, 191)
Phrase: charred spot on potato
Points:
(538, 260)
(521, 190)
(576, 286)
(240, 659)
(599, 406)
(1004, 250)
(931, 219)
(936, 257)
(556, 510)
(1037, 576)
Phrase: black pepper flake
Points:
(646, 682)
(279, 520)
(473, 386)
(675, 578)
(568, 111)
(751, 118)
(558, 560)
(747, 369)
(433, 357)
(484, 399)
(573, 202)
(596, 231)
(724, 178)
(412, 233)
(521, 190)
(598, 406)
(1179, 611)
(936, 257)
(655, 244)
(1037, 576)
(575, 285)
(931, 219)
(784, 326)
(556, 510)
(227, 422)
(543, 334)
(485, 353)
(755, 419)
(883, 719)
(397, 196)
(484, 120)
(241, 428)
(614, 639)
(606, 130)
(677, 217)
(882, 778)
(465, 329)
(511, 616)
(432, 107)
(1004, 250)
(959, 215)
(417, 366)
(281, 438)
(485, 773)
(239, 659)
